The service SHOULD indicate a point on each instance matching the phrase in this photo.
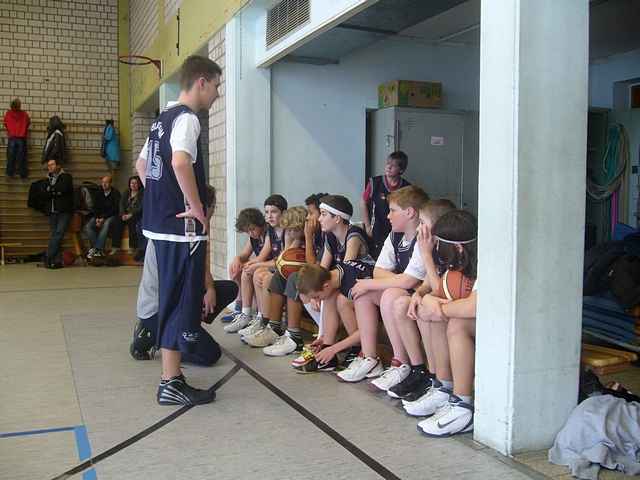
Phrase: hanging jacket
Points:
(110, 145)
(54, 148)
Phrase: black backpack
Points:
(624, 280)
(597, 265)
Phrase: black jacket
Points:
(108, 206)
(54, 148)
(60, 194)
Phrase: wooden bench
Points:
(7, 244)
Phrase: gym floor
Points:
(73, 401)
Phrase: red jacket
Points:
(16, 122)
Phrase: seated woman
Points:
(131, 216)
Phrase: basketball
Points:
(455, 285)
(290, 261)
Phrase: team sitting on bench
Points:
(413, 265)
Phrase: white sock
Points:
(246, 310)
(259, 315)
(448, 384)
(466, 399)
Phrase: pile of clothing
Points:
(603, 431)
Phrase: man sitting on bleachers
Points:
(105, 213)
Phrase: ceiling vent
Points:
(285, 17)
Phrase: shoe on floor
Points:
(261, 339)
(178, 392)
(429, 403)
(417, 380)
(255, 325)
(393, 375)
(238, 323)
(361, 368)
(284, 345)
(143, 345)
(305, 362)
(454, 418)
(91, 252)
(230, 316)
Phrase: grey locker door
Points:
(434, 143)
(383, 139)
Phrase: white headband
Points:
(335, 211)
(454, 242)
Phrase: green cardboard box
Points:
(407, 93)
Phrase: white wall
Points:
(318, 112)
(604, 73)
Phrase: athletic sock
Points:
(448, 384)
(296, 335)
(466, 399)
(238, 307)
(264, 321)
(276, 326)
(177, 377)
(420, 368)
(246, 310)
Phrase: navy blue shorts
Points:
(180, 285)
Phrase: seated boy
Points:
(250, 221)
(264, 333)
(374, 204)
(217, 296)
(334, 289)
(343, 241)
(448, 327)
(398, 269)
(256, 271)
(416, 383)
(281, 289)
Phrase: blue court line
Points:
(36, 432)
(82, 443)
(84, 450)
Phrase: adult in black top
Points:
(105, 210)
(59, 208)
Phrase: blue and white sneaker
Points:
(453, 418)
(231, 316)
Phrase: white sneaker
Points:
(455, 417)
(282, 346)
(391, 377)
(255, 325)
(91, 252)
(362, 368)
(238, 323)
(263, 338)
(429, 403)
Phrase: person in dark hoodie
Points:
(59, 208)
(54, 147)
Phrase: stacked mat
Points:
(604, 361)
(603, 317)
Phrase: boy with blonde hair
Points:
(398, 269)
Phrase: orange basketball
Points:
(454, 285)
(290, 261)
